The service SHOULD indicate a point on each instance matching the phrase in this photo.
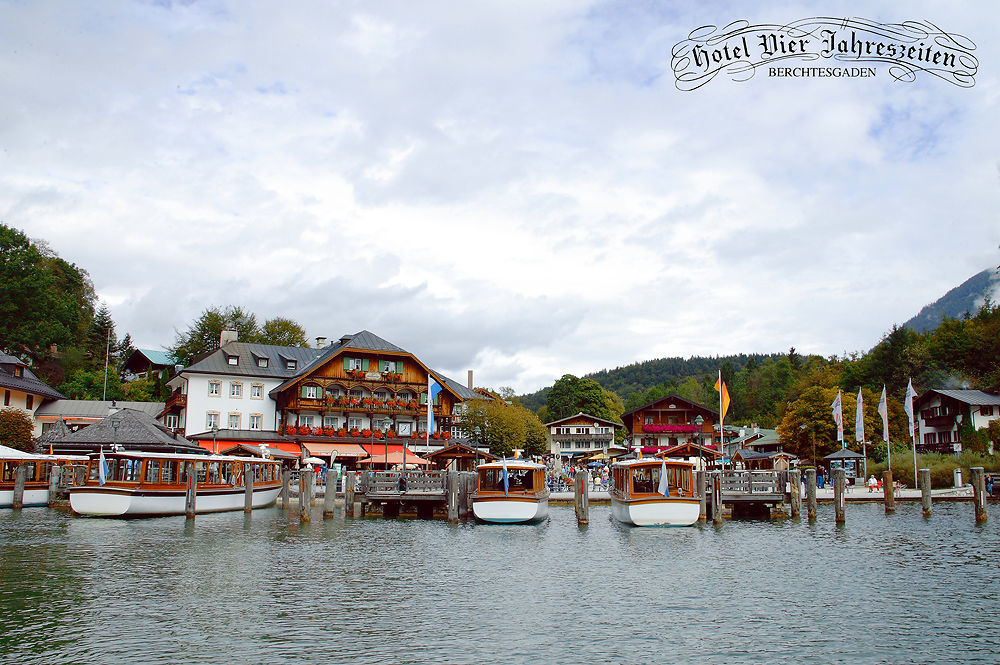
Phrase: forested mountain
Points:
(962, 300)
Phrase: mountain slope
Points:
(967, 297)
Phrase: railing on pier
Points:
(386, 483)
(753, 482)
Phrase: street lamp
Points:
(699, 421)
(215, 445)
(115, 422)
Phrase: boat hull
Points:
(510, 511)
(125, 502)
(32, 497)
(665, 511)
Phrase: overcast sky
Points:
(517, 188)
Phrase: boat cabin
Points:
(639, 477)
(169, 470)
(522, 478)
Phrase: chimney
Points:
(228, 336)
(470, 379)
(113, 409)
(345, 339)
(320, 342)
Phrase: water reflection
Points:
(234, 588)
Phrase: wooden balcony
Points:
(175, 402)
(333, 404)
(596, 438)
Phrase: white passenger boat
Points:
(37, 470)
(653, 492)
(137, 484)
(511, 491)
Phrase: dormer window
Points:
(290, 364)
(261, 362)
(18, 371)
(233, 360)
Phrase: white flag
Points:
(662, 487)
(859, 420)
(838, 417)
(908, 404)
(102, 469)
(883, 410)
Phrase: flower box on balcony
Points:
(366, 433)
(355, 432)
(341, 432)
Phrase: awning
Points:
(394, 458)
(316, 449)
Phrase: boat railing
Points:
(72, 475)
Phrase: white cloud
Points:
(514, 188)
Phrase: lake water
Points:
(229, 588)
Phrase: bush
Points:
(942, 467)
(16, 429)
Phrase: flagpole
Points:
(722, 428)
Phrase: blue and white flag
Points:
(838, 417)
(883, 410)
(433, 388)
(102, 469)
(908, 404)
(859, 420)
(663, 488)
(503, 471)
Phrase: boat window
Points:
(225, 472)
(213, 473)
(643, 480)
(200, 471)
(169, 473)
(128, 470)
(9, 469)
(92, 469)
(153, 471)
(518, 480)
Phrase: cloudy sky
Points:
(517, 188)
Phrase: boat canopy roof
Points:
(652, 461)
(511, 464)
(134, 454)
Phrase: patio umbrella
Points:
(313, 460)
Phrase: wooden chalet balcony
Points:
(177, 400)
(940, 421)
(334, 404)
(946, 447)
(583, 437)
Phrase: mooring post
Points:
(702, 499)
(888, 494)
(463, 495)
(307, 485)
(248, 487)
(349, 479)
(452, 486)
(811, 494)
(717, 498)
(925, 491)
(581, 498)
(795, 492)
(191, 495)
(330, 494)
(839, 486)
(978, 492)
(285, 473)
(472, 478)
(20, 478)
(55, 473)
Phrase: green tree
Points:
(15, 430)
(102, 341)
(89, 384)
(43, 299)
(571, 395)
(203, 335)
(283, 332)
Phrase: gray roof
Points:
(367, 341)
(588, 416)
(135, 430)
(27, 382)
(243, 449)
(86, 408)
(217, 362)
(844, 453)
(754, 454)
(974, 397)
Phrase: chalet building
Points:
(352, 398)
(580, 435)
(670, 422)
(22, 389)
(142, 362)
(942, 412)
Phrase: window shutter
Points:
(304, 389)
(347, 363)
(383, 365)
(364, 365)
(423, 398)
(399, 366)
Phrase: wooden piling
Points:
(580, 497)
(795, 492)
(463, 495)
(248, 487)
(978, 478)
(285, 473)
(925, 491)
(191, 495)
(20, 478)
(307, 490)
(349, 479)
(716, 498)
(452, 487)
(888, 495)
(357, 510)
(811, 494)
(330, 494)
(55, 473)
(472, 478)
(702, 499)
(839, 487)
